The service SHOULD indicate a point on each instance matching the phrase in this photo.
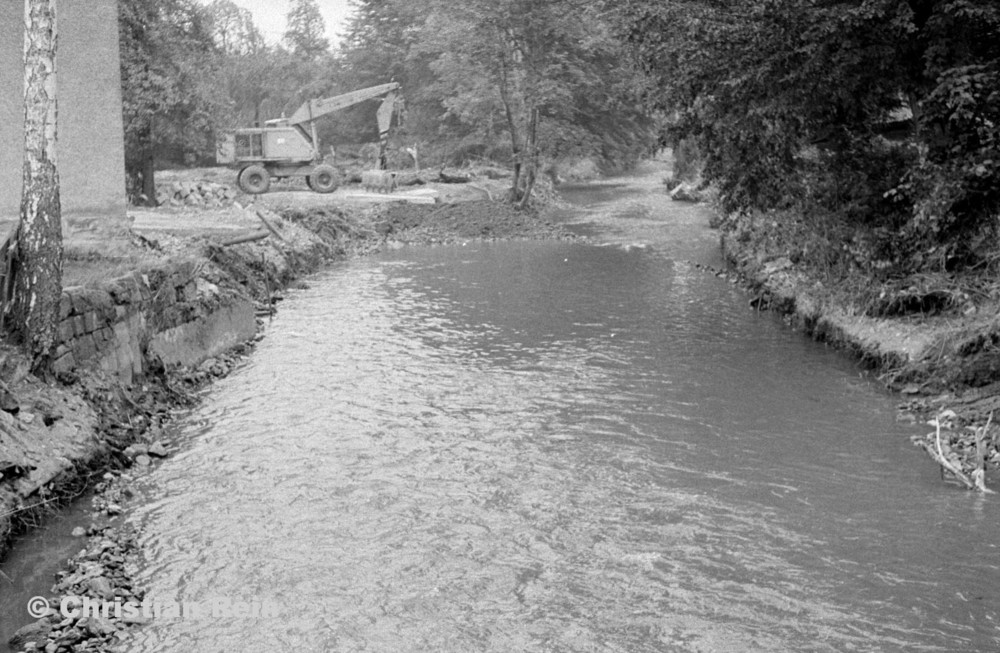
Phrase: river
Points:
(556, 446)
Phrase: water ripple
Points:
(551, 447)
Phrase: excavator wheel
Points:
(254, 180)
(324, 179)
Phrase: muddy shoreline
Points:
(109, 427)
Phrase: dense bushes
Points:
(876, 120)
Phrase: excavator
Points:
(289, 147)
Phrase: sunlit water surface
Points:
(557, 447)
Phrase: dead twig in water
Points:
(26, 508)
(938, 455)
(979, 473)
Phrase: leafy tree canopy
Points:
(233, 29)
(883, 111)
(168, 92)
(518, 79)
(306, 28)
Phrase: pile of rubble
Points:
(94, 603)
(195, 193)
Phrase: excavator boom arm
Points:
(314, 109)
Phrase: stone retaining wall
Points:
(169, 314)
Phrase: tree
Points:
(233, 29)
(763, 83)
(380, 40)
(517, 81)
(250, 72)
(540, 73)
(306, 29)
(253, 81)
(379, 46)
(170, 95)
(38, 272)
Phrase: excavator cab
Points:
(257, 144)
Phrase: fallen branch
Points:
(270, 227)
(944, 462)
(28, 507)
(249, 238)
(445, 178)
(979, 473)
(936, 451)
(267, 283)
(483, 189)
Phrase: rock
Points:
(378, 180)
(48, 409)
(143, 460)
(206, 288)
(36, 633)
(8, 400)
(779, 264)
(79, 531)
(158, 450)
(97, 626)
(130, 618)
(204, 193)
(101, 586)
(26, 417)
(135, 450)
(69, 637)
(685, 192)
(113, 509)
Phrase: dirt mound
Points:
(422, 223)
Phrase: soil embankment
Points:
(136, 344)
(944, 363)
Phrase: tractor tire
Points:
(254, 180)
(324, 179)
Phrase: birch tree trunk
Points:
(38, 270)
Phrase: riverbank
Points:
(137, 346)
(943, 361)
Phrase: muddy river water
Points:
(551, 446)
